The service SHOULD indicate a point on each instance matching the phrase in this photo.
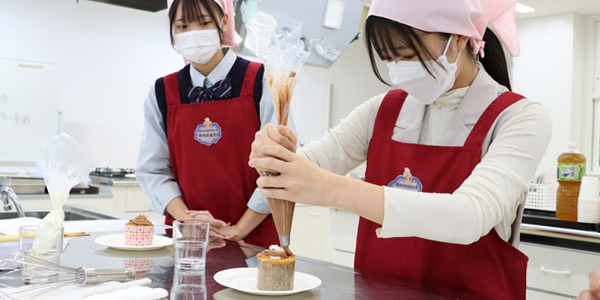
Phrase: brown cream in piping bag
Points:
(281, 88)
(283, 212)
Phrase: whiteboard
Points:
(28, 108)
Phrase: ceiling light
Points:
(520, 8)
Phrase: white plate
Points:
(245, 280)
(117, 241)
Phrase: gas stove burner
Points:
(112, 172)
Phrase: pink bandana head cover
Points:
(463, 17)
(230, 37)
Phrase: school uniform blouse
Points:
(491, 197)
(154, 172)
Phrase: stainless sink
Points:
(71, 214)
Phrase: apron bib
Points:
(209, 145)
(490, 267)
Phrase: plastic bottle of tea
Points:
(571, 169)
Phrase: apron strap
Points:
(172, 89)
(388, 113)
(489, 116)
(249, 80)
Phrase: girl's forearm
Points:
(362, 198)
(249, 221)
(177, 208)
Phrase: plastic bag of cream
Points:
(64, 165)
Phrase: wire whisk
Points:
(31, 276)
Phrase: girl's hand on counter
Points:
(215, 224)
(206, 216)
(232, 232)
(299, 181)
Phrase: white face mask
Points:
(198, 46)
(412, 77)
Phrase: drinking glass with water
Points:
(190, 238)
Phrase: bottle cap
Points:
(572, 145)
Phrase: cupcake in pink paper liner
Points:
(139, 232)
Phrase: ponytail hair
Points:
(494, 60)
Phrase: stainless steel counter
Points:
(338, 282)
(543, 228)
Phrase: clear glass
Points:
(188, 284)
(190, 238)
(37, 273)
(188, 292)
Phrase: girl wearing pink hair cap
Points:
(199, 125)
(450, 153)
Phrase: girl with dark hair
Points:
(450, 154)
(199, 125)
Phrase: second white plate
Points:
(245, 280)
(117, 241)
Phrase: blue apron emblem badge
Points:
(208, 133)
(407, 182)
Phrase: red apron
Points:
(209, 145)
(490, 267)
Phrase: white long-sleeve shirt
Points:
(154, 172)
(489, 198)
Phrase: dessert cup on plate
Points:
(139, 232)
(275, 273)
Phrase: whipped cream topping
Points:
(275, 252)
(140, 220)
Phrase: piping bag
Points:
(64, 165)
(283, 60)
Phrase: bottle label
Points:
(570, 171)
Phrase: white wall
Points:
(353, 83)
(594, 41)
(109, 56)
(591, 89)
(549, 70)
